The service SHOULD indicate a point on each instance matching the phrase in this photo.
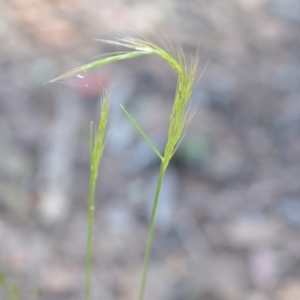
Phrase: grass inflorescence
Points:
(97, 144)
(180, 118)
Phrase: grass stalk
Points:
(151, 232)
(89, 249)
(97, 145)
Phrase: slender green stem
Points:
(89, 251)
(151, 231)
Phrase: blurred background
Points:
(229, 218)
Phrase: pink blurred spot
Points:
(90, 85)
(263, 269)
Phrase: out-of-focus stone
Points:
(263, 269)
(140, 15)
(176, 266)
(257, 296)
(53, 206)
(289, 291)
(251, 232)
(250, 5)
(289, 8)
(288, 208)
(34, 13)
(70, 6)
(59, 280)
(58, 153)
(120, 220)
(18, 260)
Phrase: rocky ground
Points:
(229, 219)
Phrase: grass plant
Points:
(97, 144)
(180, 118)
(12, 291)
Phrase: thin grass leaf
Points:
(128, 43)
(98, 63)
(103, 55)
(143, 134)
